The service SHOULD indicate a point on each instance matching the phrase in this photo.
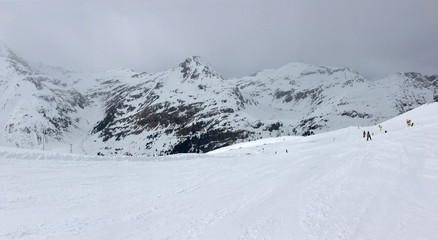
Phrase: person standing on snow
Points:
(364, 134)
(368, 136)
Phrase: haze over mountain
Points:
(376, 38)
(190, 107)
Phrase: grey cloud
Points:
(239, 37)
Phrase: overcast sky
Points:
(237, 37)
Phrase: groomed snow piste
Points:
(334, 185)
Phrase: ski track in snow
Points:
(334, 185)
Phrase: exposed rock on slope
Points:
(190, 108)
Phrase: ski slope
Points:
(334, 185)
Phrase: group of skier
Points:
(367, 134)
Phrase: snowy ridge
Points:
(333, 185)
(190, 108)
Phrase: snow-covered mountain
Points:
(187, 108)
(191, 108)
(320, 98)
(34, 106)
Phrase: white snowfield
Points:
(334, 185)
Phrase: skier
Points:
(364, 134)
(368, 136)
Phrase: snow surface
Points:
(333, 185)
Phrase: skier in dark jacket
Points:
(364, 134)
(368, 136)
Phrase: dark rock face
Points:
(287, 95)
(109, 118)
(354, 114)
(274, 126)
(308, 125)
(208, 141)
(151, 118)
(193, 68)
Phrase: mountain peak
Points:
(196, 59)
(195, 67)
(4, 49)
(15, 61)
(193, 62)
